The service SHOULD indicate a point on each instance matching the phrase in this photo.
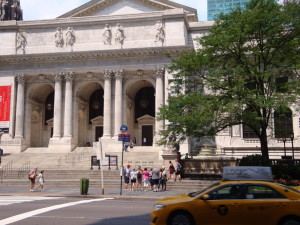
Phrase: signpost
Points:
(124, 138)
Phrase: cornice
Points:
(92, 55)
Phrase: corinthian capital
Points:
(107, 74)
(69, 76)
(119, 74)
(58, 77)
(21, 78)
(159, 72)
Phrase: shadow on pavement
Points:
(132, 220)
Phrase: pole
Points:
(292, 139)
(284, 140)
(101, 168)
(122, 169)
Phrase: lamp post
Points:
(284, 140)
(292, 140)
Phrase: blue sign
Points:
(123, 128)
(124, 137)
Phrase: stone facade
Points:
(81, 76)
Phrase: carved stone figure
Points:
(119, 36)
(10, 10)
(59, 39)
(70, 37)
(21, 41)
(107, 35)
(160, 32)
(172, 144)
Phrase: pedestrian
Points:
(150, 178)
(171, 170)
(163, 179)
(133, 175)
(155, 179)
(139, 178)
(144, 143)
(177, 170)
(31, 177)
(146, 178)
(127, 176)
(41, 180)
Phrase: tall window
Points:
(283, 121)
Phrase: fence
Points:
(6, 170)
(24, 169)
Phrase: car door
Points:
(263, 205)
(222, 208)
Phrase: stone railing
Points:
(206, 168)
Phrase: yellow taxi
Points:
(246, 195)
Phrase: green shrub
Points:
(254, 160)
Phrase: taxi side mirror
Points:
(204, 197)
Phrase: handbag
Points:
(32, 176)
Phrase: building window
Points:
(283, 123)
(248, 132)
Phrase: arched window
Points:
(283, 123)
(250, 117)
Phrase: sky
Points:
(49, 9)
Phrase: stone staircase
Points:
(71, 178)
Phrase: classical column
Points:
(118, 101)
(68, 104)
(159, 97)
(107, 105)
(20, 106)
(57, 105)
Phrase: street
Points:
(30, 210)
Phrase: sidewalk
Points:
(93, 192)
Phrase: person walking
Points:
(126, 176)
(177, 170)
(171, 170)
(146, 179)
(41, 180)
(31, 177)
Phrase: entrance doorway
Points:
(147, 135)
(98, 133)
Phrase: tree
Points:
(236, 77)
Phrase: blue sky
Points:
(49, 9)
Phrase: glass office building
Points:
(215, 7)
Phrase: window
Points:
(248, 132)
(262, 192)
(283, 123)
(229, 192)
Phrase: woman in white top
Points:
(41, 180)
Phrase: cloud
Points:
(49, 9)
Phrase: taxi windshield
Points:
(289, 188)
(193, 194)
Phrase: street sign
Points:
(124, 137)
(123, 128)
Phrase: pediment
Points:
(146, 119)
(97, 120)
(123, 7)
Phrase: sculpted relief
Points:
(59, 38)
(21, 41)
(119, 36)
(107, 35)
(160, 32)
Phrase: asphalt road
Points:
(73, 211)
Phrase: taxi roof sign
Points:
(247, 173)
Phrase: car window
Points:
(228, 192)
(193, 194)
(262, 192)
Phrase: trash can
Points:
(84, 186)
